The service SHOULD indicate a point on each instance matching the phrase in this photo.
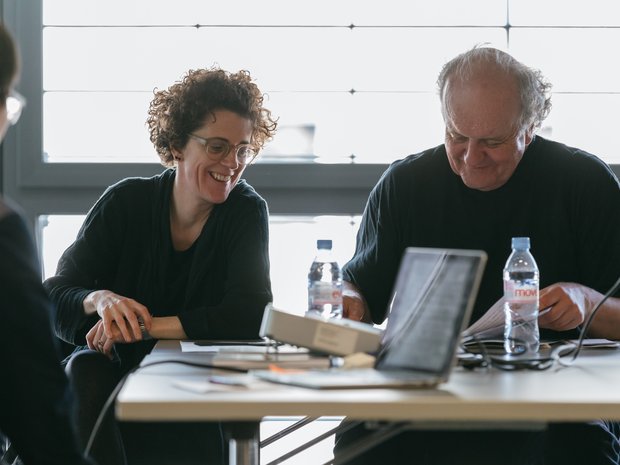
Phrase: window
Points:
(330, 78)
(353, 83)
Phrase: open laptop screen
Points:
(432, 301)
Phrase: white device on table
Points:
(333, 336)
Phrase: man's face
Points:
(483, 139)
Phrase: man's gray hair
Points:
(535, 90)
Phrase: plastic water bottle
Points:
(521, 280)
(324, 283)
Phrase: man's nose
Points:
(474, 152)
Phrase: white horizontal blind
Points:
(350, 80)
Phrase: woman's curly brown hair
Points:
(178, 111)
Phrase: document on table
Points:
(238, 347)
(490, 328)
(490, 325)
(255, 355)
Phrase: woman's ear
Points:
(176, 154)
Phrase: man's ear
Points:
(529, 135)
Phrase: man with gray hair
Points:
(493, 179)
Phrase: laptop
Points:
(431, 304)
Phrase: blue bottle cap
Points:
(520, 243)
(324, 244)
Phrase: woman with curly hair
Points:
(181, 255)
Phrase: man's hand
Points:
(569, 305)
(354, 305)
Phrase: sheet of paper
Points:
(215, 383)
(192, 346)
(491, 324)
(254, 355)
(241, 348)
(598, 343)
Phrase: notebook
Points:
(433, 297)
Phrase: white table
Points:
(588, 390)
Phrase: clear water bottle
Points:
(324, 283)
(521, 280)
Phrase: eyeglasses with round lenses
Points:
(217, 149)
(15, 103)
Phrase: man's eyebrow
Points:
(452, 132)
(500, 139)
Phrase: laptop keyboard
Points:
(356, 377)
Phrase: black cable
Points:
(119, 385)
(586, 326)
(486, 359)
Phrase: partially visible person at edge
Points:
(181, 255)
(35, 400)
(493, 179)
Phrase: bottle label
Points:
(325, 294)
(520, 293)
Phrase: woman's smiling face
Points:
(210, 180)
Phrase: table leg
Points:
(243, 442)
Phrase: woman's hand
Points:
(119, 316)
(97, 340)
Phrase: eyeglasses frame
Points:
(205, 141)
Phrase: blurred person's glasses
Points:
(217, 149)
(15, 103)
